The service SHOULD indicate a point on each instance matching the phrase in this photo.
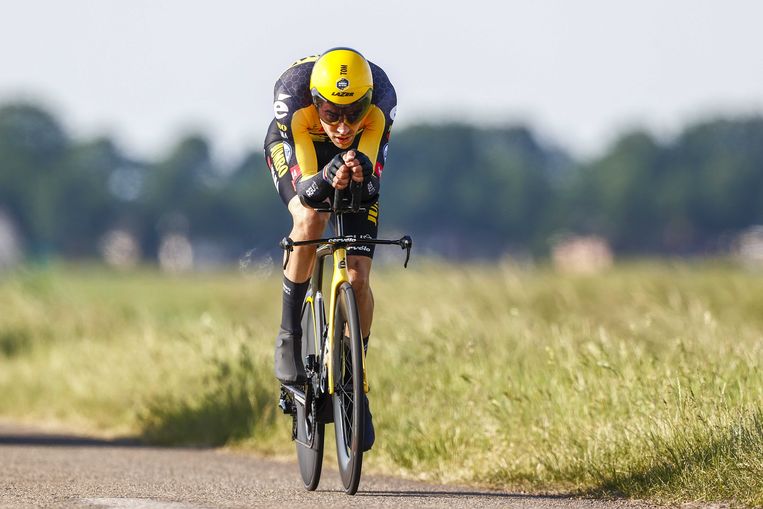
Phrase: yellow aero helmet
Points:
(341, 76)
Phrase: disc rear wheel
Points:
(309, 428)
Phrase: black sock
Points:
(293, 297)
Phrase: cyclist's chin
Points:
(342, 141)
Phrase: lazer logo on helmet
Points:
(342, 83)
(343, 94)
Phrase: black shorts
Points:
(361, 225)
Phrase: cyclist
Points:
(333, 115)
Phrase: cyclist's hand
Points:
(359, 164)
(337, 173)
(342, 177)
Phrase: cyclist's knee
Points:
(307, 222)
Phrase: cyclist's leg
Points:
(359, 261)
(307, 224)
(359, 272)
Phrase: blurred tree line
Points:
(459, 190)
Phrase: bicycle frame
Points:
(306, 403)
(337, 247)
(339, 276)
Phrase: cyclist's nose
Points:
(342, 128)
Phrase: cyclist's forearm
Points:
(316, 188)
(370, 188)
(371, 181)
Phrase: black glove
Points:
(366, 164)
(370, 180)
(318, 187)
(329, 171)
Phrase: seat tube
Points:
(317, 279)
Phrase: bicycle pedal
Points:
(286, 403)
(310, 364)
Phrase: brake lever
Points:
(287, 245)
(406, 243)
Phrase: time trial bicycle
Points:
(332, 347)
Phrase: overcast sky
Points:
(579, 72)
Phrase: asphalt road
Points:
(40, 469)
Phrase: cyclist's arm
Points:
(376, 131)
(319, 186)
(308, 181)
(292, 118)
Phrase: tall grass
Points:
(640, 382)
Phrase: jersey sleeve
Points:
(374, 140)
(289, 109)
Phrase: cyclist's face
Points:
(341, 134)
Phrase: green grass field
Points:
(642, 382)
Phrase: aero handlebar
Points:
(337, 208)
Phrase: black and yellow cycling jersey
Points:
(296, 145)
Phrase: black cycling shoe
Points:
(289, 368)
(368, 431)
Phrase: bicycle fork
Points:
(339, 276)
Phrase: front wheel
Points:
(348, 389)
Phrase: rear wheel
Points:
(309, 429)
(348, 389)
